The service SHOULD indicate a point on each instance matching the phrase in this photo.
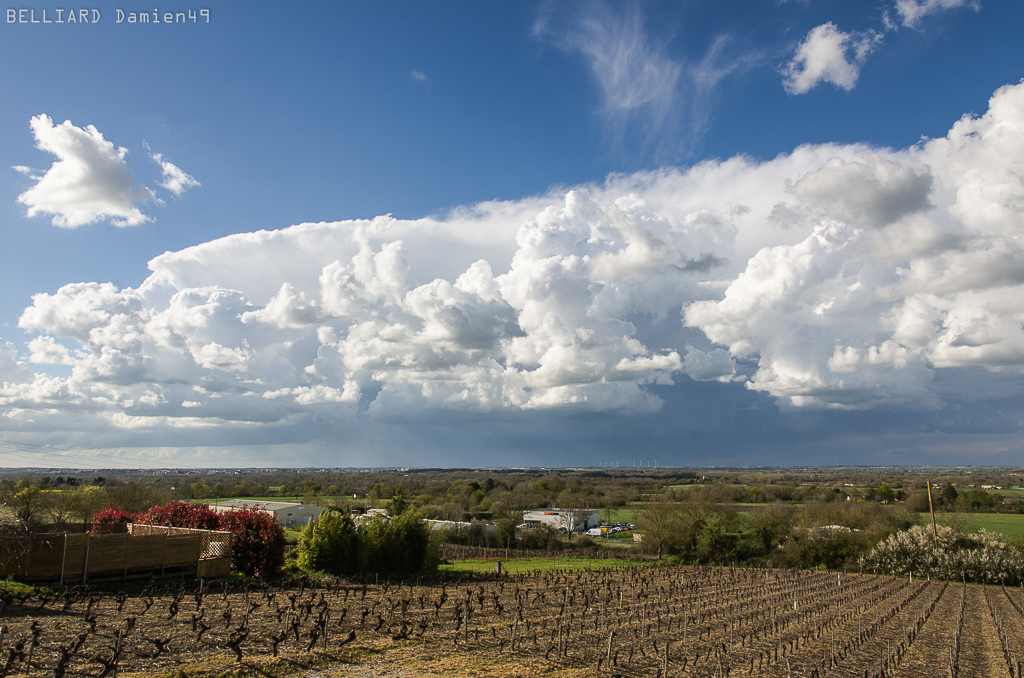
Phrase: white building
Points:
(286, 513)
(371, 514)
(564, 520)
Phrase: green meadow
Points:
(1008, 524)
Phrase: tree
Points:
(917, 500)
(27, 501)
(88, 500)
(573, 510)
(199, 490)
(330, 544)
(983, 557)
(257, 542)
(832, 546)
(451, 511)
(60, 505)
(412, 536)
(334, 544)
(947, 498)
(398, 504)
(135, 496)
(695, 511)
(713, 542)
(378, 546)
(836, 534)
(660, 524)
(507, 512)
(975, 500)
(771, 525)
(505, 533)
(477, 534)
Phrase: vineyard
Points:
(644, 621)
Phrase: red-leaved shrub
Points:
(180, 514)
(257, 539)
(257, 542)
(111, 520)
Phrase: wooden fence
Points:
(145, 551)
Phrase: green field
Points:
(620, 515)
(620, 538)
(1010, 525)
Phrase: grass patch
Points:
(626, 536)
(16, 588)
(1008, 525)
(619, 515)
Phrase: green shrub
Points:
(837, 534)
(829, 546)
(398, 545)
(331, 545)
(335, 545)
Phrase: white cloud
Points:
(806, 313)
(646, 89)
(632, 70)
(912, 11)
(918, 269)
(830, 55)
(77, 309)
(288, 308)
(834, 276)
(175, 180)
(12, 370)
(89, 181)
(45, 350)
(715, 365)
(874, 192)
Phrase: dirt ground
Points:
(669, 621)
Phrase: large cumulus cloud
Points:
(913, 264)
(835, 276)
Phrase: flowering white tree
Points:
(982, 557)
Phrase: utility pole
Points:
(931, 508)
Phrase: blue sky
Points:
(534, 233)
